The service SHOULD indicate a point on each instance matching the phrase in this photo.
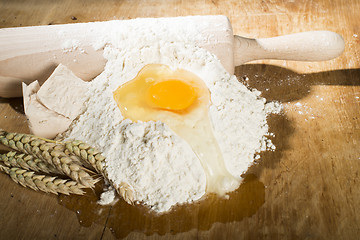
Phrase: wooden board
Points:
(307, 189)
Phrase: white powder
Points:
(160, 167)
(70, 45)
(107, 197)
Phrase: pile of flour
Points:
(161, 167)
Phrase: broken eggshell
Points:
(51, 108)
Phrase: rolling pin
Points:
(32, 53)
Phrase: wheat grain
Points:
(48, 184)
(126, 192)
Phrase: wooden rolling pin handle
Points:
(305, 46)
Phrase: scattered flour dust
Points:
(108, 197)
(161, 167)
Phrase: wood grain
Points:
(310, 182)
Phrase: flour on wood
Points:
(161, 167)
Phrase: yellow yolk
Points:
(171, 95)
(157, 88)
(181, 100)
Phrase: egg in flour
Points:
(159, 159)
(181, 100)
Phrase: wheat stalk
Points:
(43, 183)
(28, 162)
(51, 152)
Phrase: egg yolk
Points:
(171, 95)
(156, 89)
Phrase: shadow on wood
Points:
(281, 84)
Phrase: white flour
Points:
(161, 167)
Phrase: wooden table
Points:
(307, 189)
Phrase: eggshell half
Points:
(51, 108)
(42, 121)
(63, 92)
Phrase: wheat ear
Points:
(88, 154)
(43, 183)
(93, 157)
(28, 162)
(51, 152)
(66, 157)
